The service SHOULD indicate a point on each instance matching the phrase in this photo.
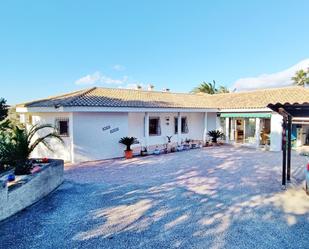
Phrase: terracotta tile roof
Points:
(110, 97)
(261, 98)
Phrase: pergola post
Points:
(289, 148)
(284, 125)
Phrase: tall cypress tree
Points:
(3, 109)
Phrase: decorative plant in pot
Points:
(17, 143)
(215, 134)
(128, 141)
(144, 151)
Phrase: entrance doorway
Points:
(239, 131)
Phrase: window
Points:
(62, 125)
(154, 126)
(184, 125)
(250, 130)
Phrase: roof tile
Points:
(110, 97)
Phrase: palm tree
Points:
(223, 89)
(301, 78)
(18, 143)
(210, 88)
(206, 87)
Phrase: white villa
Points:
(92, 121)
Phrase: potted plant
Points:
(157, 151)
(144, 151)
(173, 149)
(215, 134)
(128, 141)
(187, 145)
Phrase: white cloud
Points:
(118, 67)
(98, 77)
(279, 79)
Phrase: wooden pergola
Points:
(288, 111)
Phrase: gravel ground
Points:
(222, 197)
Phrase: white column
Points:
(146, 128)
(276, 132)
(233, 128)
(179, 128)
(257, 132)
(205, 127)
(71, 132)
(227, 129)
(244, 127)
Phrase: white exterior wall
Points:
(276, 132)
(60, 151)
(91, 142)
(212, 123)
(87, 141)
(195, 126)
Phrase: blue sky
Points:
(51, 47)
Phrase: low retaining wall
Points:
(35, 187)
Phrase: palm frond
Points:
(36, 128)
(43, 140)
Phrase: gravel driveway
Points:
(221, 197)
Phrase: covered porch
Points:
(252, 129)
(156, 129)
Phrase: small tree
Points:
(3, 109)
(128, 141)
(215, 134)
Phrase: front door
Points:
(239, 131)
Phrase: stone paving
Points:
(219, 197)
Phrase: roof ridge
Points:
(145, 91)
(52, 97)
(82, 94)
(262, 90)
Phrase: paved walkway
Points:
(220, 197)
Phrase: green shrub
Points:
(215, 134)
(17, 143)
(128, 141)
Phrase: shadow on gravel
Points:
(224, 203)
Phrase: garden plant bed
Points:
(28, 189)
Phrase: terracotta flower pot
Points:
(128, 154)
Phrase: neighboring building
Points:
(92, 121)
